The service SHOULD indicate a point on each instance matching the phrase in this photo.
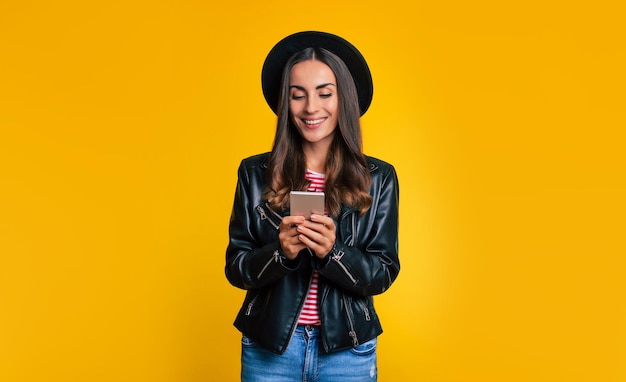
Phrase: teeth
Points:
(313, 122)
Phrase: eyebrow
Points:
(316, 88)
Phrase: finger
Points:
(324, 222)
(307, 241)
(322, 219)
(288, 224)
(293, 220)
(320, 249)
(316, 226)
(318, 233)
(315, 236)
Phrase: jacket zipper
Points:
(353, 230)
(351, 333)
(275, 258)
(264, 216)
(324, 293)
(337, 257)
(276, 214)
(352, 223)
(365, 310)
(295, 322)
(250, 305)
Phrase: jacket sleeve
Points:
(372, 264)
(250, 264)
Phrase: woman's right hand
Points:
(288, 236)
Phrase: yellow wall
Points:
(122, 125)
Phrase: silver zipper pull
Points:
(352, 334)
(338, 255)
(276, 255)
(261, 212)
(366, 311)
(249, 308)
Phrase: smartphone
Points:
(305, 203)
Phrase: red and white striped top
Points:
(309, 314)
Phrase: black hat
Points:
(287, 47)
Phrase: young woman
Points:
(308, 313)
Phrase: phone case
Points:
(304, 203)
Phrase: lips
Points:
(313, 122)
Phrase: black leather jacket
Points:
(364, 262)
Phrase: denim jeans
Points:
(305, 361)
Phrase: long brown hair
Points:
(347, 174)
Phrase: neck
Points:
(315, 157)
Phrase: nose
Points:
(312, 105)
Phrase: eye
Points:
(297, 97)
(326, 95)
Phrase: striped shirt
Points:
(309, 314)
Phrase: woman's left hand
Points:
(318, 234)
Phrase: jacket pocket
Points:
(348, 307)
(359, 314)
(365, 348)
(250, 305)
(249, 308)
(364, 309)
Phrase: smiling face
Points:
(313, 102)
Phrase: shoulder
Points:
(379, 166)
(253, 169)
(256, 161)
(383, 176)
(382, 173)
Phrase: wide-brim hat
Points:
(279, 55)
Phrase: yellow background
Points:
(122, 125)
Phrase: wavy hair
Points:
(347, 175)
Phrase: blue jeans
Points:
(305, 361)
